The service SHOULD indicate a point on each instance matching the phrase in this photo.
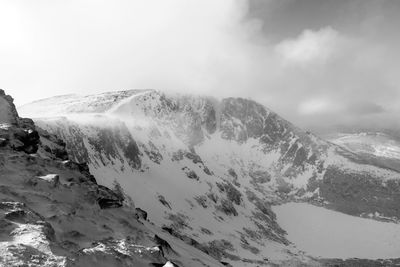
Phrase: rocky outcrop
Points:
(8, 112)
(19, 133)
(141, 214)
(106, 198)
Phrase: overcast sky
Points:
(317, 63)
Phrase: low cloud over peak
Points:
(315, 69)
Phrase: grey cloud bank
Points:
(316, 63)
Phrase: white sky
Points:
(321, 72)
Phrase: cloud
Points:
(316, 106)
(211, 47)
(309, 46)
(365, 108)
(73, 46)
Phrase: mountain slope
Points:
(209, 170)
(53, 212)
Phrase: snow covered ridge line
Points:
(210, 170)
(61, 105)
(376, 144)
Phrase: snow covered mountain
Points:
(208, 170)
(54, 214)
(378, 146)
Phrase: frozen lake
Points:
(329, 234)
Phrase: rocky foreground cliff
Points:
(54, 213)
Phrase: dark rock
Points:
(179, 221)
(202, 201)
(26, 123)
(60, 153)
(232, 173)
(11, 111)
(29, 138)
(47, 149)
(206, 231)
(168, 229)
(17, 145)
(242, 119)
(141, 213)
(211, 119)
(164, 246)
(227, 207)
(48, 230)
(106, 198)
(176, 156)
(164, 201)
(132, 153)
(3, 142)
(107, 203)
(191, 174)
(232, 193)
(194, 157)
(301, 157)
(153, 154)
(60, 142)
(91, 178)
(207, 170)
(212, 196)
(16, 216)
(218, 249)
(82, 168)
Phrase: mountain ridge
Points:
(206, 163)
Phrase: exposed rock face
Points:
(106, 198)
(8, 112)
(163, 245)
(19, 133)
